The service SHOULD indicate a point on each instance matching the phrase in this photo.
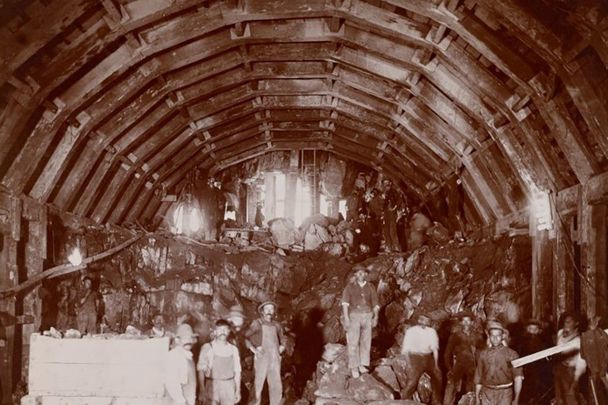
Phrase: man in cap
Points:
(219, 363)
(496, 381)
(180, 374)
(421, 348)
(266, 341)
(360, 314)
(459, 357)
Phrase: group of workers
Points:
(218, 371)
(478, 364)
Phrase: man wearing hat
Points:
(421, 348)
(360, 314)
(219, 363)
(180, 374)
(496, 381)
(537, 373)
(459, 357)
(266, 341)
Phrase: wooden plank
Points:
(564, 130)
(542, 274)
(61, 400)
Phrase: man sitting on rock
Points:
(266, 341)
(360, 314)
(496, 381)
(219, 363)
(421, 348)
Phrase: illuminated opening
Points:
(541, 209)
(303, 202)
(75, 257)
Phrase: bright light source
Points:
(75, 258)
(541, 209)
(187, 219)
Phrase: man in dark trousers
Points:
(459, 357)
(391, 204)
(421, 348)
(360, 314)
(265, 339)
(86, 317)
(496, 381)
(537, 372)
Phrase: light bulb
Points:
(75, 257)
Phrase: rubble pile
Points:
(440, 281)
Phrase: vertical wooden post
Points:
(594, 256)
(563, 268)
(9, 278)
(542, 275)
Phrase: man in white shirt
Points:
(421, 348)
(570, 366)
(180, 375)
(220, 364)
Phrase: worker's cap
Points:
(465, 314)
(185, 334)
(263, 304)
(357, 268)
(236, 311)
(422, 314)
(495, 325)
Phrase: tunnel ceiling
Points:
(108, 104)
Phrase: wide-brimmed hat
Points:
(185, 334)
(358, 267)
(236, 311)
(493, 324)
(263, 304)
(534, 321)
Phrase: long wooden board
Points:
(531, 358)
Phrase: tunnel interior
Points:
(201, 154)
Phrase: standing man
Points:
(536, 373)
(570, 365)
(87, 308)
(180, 375)
(265, 339)
(220, 364)
(459, 357)
(496, 381)
(236, 318)
(421, 348)
(391, 203)
(360, 314)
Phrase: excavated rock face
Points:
(198, 283)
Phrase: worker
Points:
(158, 327)
(420, 347)
(86, 317)
(236, 318)
(391, 204)
(459, 357)
(536, 373)
(496, 381)
(594, 350)
(569, 366)
(180, 374)
(220, 365)
(266, 341)
(360, 314)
